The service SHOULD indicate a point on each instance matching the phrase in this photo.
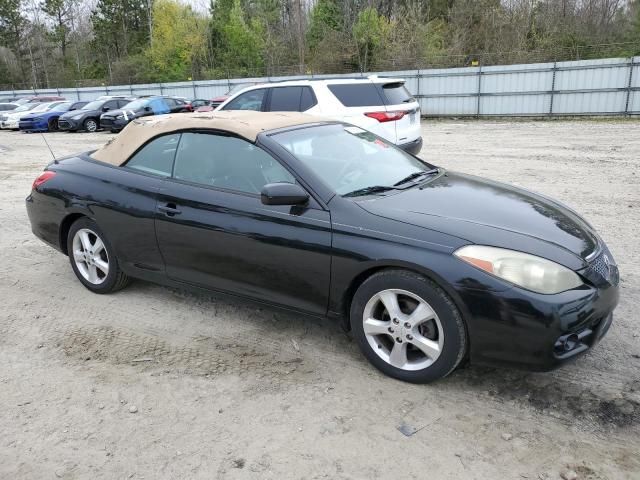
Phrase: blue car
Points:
(44, 118)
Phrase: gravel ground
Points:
(157, 383)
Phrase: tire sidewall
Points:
(453, 328)
(112, 276)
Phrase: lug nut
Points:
(395, 320)
(407, 325)
(390, 330)
(409, 337)
(398, 339)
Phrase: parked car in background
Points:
(8, 106)
(77, 105)
(88, 117)
(378, 104)
(37, 99)
(217, 101)
(116, 120)
(10, 120)
(199, 102)
(44, 120)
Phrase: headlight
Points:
(119, 117)
(77, 117)
(527, 271)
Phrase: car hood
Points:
(73, 113)
(491, 213)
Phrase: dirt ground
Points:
(224, 390)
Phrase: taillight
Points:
(386, 116)
(43, 177)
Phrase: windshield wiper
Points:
(416, 175)
(368, 190)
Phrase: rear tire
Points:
(407, 326)
(93, 259)
(53, 125)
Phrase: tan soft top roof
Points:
(247, 124)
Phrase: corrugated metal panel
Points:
(565, 88)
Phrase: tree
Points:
(177, 43)
(60, 12)
(11, 30)
(370, 33)
(242, 43)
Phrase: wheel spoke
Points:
(429, 347)
(98, 246)
(421, 314)
(86, 241)
(376, 327)
(398, 355)
(93, 273)
(390, 302)
(102, 265)
(78, 256)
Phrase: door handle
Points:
(170, 209)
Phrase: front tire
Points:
(407, 326)
(92, 258)
(90, 125)
(53, 125)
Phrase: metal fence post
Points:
(629, 82)
(195, 91)
(553, 87)
(479, 90)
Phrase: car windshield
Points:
(22, 101)
(24, 108)
(61, 107)
(95, 105)
(136, 104)
(42, 107)
(350, 159)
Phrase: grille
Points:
(605, 268)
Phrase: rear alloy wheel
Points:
(53, 125)
(407, 326)
(90, 125)
(92, 258)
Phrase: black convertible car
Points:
(425, 266)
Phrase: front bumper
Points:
(412, 147)
(530, 331)
(9, 124)
(110, 123)
(68, 124)
(31, 126)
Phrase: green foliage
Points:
(177, 42)
(326, 18)
(241, 43)
(370, 32)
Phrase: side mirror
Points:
(147, 109)
(105, 109)
(283, 194)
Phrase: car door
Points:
(214, 231)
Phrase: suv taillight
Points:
(43, 177)
(386, 116)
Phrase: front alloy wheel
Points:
(403, 329)
(407, 326)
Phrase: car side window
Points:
(111, 104)
(171, 102)
(308, 99)
(157, 156)
(227, 162)
(285, 99)
(247, 101)
(122, 103)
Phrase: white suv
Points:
(378, 104)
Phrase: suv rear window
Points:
(396, 93)
(357, 94)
